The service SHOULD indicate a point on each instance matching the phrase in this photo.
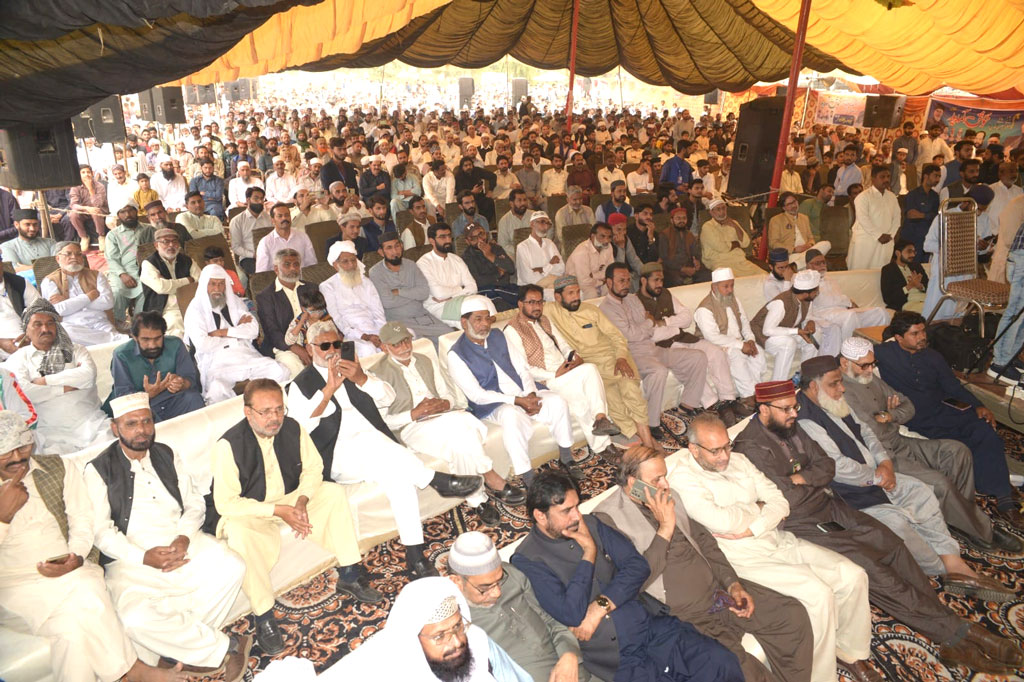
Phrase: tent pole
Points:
(572, 62)
(787, 114)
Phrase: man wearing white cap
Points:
(352, 299)
(168, 184)
(219, 326)
(723, 240)
(496, 380)
(502, 603)
(783, 326)
(537, 258)
(242, 181)
(280, 183)
(172, 585)
(721, 320)
(834, 307)
(307, 209)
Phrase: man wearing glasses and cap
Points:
(29, 245)
(537, 258)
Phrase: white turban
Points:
(805, 280)
(338, 248)
(163, 158)
(334, 184)
(199, 315)
(722, 275)
(715, 203)
(856, 347)
(472, 304)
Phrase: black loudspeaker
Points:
(757, 140)
(884, 111)
(466, 90)
(168, 105)
(103, 121)
(146, 106)
(200, 94)
(712, 97)
(39, 156)
(240, 90)
(520, 89)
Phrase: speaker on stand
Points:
(757, 140)
(103, 121)
(38, 157)
(466, 90)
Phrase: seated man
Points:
(866, 479)
(679, 251)
(29, 245)
(277, 307)
(82, 297)
(122, 254)
(796, 464)
(268, 475)
(944, 464)
(496, 381)
(537, 258)
(447, 275)
(689, 571)
(671, 319)
(553, 361)
(159, 365)
(904, 281)
(923, 376)
(218, 325)
(355, 444)
(156, 214)
(216, 256)
(629, 316)
(425, 416)
(833, 306)
(15, 294)
(48, 587)
(283, 237)
(196, 220)
(59, 377)
(783, 326)
(352, 299)
(729, 497)
(780, 277)
(171, 584)
(791, 229)
(723, 240)
(502, 603)
(589, 577)
(516, 218)
(163, 273)
(589, 260)
(350, 229)
(491, 268)
(404, 290)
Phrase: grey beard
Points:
(477, 337)
(288, 279)
(837, 408)
(74, 267)
(217, 301)
(724, 299)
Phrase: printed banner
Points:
(840, 110)
(984, 116)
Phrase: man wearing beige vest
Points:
(427, 416)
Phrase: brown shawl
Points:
(86, 279)
(719, 312)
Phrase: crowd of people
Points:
(539, 259)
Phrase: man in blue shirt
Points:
(211, 187)
(962, 150)
(846, 173)
(920, 206)
(617, 204)
(469, 215)
(677, 170)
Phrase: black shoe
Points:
(269, 637)
(509, 495)
(657, 433)
(605, 427)
(575, 472)
(447, 485)
(420, 566)
(612, 454)
(359, 589)
(1006, 542)
(689, 411)
(1004, 374)
(489, 514)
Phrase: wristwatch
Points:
(604, 602)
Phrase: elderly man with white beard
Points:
(219, 326)
(427, 417)
(865, 478)
(352, 300)
(163, 273)
(944, 464)
(82, 297)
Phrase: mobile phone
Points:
(348, 350)
(957, 404)
(722, 600)
(830, 527)
(637, 491)
(58, 559)
(572, 356)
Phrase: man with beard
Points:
(122, 254)
(404, 289)
(339, 405)
(468, 214)
(242, 226)
(161, 275)
(479, 182)
(589, 260)
(373, 181)
(429, 637)
(944, 464)
(679, 251)
(616, 204)
(866, 479)
(791, 230)
(575, 212)
(120, 189)
(169, 185)
(159, 365)
(537, 258)
(15, 294)
(352, 299)
(796, 464)
(196, 221)
(156, 214)
(240, 185)
(589, 577)
(780, 276)
(516, 218)
(904, 281)
(415, 231)
(283, 237)
(832, 306)
(583, 177)
(82, 297)
(163, 558)
(338, 168)
(220, 328)
(211, 187)
(379, 223)
(29, 245)
(279, 307)
(627, 313)
(723, 240)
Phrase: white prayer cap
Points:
(351, 215)
(805, 280)
(129, 403)
(163, 158)
(276, 159)
(14, 432)
(334, 184)
(471, 304)
(722, 275)
(473, 553)
(338, 248)
(315, 159)
(855, 347)
(444, 610)
(539, 215)
(903, 149)
(241, 164)
(295, 190)
(715, 203)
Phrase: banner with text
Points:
(984, 116)
(840, 110)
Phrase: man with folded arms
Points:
(352, 299)
(172, 585)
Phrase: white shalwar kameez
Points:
(746, 370)
(85, 321)
(177, 614)
(362, 453)
(783, 342)
(833, 589)
(447, 277)
(877, 214)
(11, 326)
(835, 307)
(355, 310)
(73, 611)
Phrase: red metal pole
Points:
(787, 114)
(572, 62)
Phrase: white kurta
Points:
(86, 321)
(10, 321)
(200, 226)
(746, 370)
(877, 214)
(833, 589)
(355, 310)
(447, 277)
(532, 254)
(772, 286)
(1007, 211)
(151, 277)
(783, 342)
(835, 307)
(68, 421)
(73, 611)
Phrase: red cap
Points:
(616, 218)
(772, 390)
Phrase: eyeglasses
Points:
(716, 452)
(484, 589)
(791, 408)
(271, 411)
(866, 365)
(453, 632)
(326, 345)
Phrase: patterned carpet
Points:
(320, 626)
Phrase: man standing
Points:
(338, 168)
(162, 274)
(122, 254)
(447, 275)
(846, 173)
(277, 307)
(1006, 192)
(831, 305)
(196, 220)
(723, 240)
(537, 258)
(589, 260)
(29, 245)
(878, 220)
(339, 406)
(267, 474)
(172, 584)
(82, 297)
(283, 237)
(677, 170)
(404, 290)
(352, 299)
